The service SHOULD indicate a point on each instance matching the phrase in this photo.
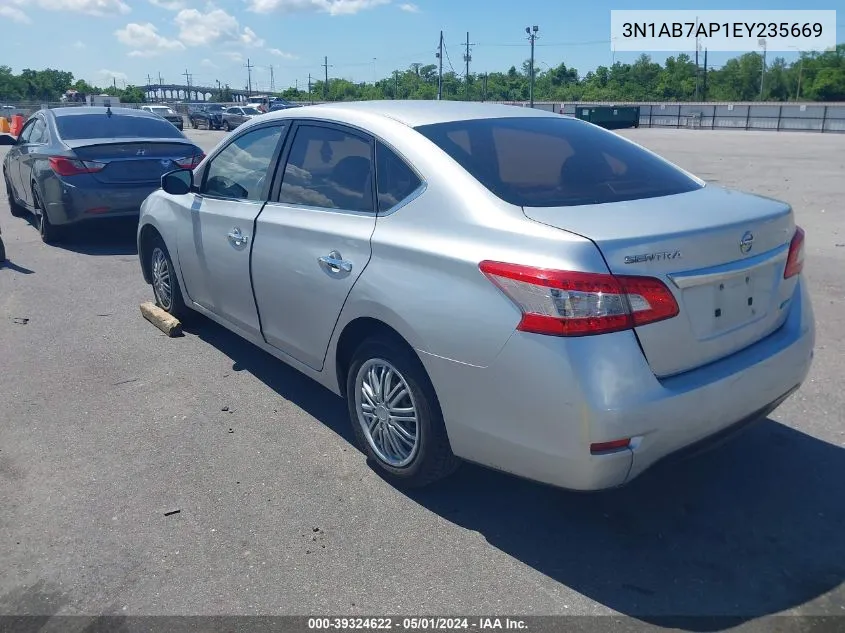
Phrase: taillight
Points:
(72, 167)
(795, 260)
(190, 162)
(563, 303)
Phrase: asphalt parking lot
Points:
(106, 425)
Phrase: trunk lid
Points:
(721, 253)
(136, 161)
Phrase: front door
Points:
(214, 252)
(314, 238)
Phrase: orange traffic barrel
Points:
(17, 125)
(4, 125)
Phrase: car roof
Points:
(414, 113)
(78, 110)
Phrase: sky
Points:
(126, 41)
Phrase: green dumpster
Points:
(610, 117)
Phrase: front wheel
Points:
(168, 294)
(226, 126)
(395, 414)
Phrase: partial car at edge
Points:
(84, 163)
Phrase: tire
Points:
(170, 300)
(386, 441)
(226, 126)
(15, 209)
(50, 233)
(194, 124)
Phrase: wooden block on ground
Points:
(165, 322)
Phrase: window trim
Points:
(272, 167)
(28, 124)
(40, 119)
(416, 193)
(296, 124)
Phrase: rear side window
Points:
(396, 181)
(328, 168)
(81, 126)
(555, 162)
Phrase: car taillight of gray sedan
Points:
(487, 283)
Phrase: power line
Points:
(445, 50)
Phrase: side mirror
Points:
(8, 139)
(178, 182)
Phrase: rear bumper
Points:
(538, 407)
(87, 199)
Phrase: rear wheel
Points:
(50, 233)
(194, 123)
(395, 414)
(15, 209)
(168, 294)
(226, 126)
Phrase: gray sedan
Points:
(80, 163)
(237, 115)
(502, 285)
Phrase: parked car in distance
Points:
(208, 116)
(83, 163)
(166, 112)
(281, 104)
(522, 290)
(236, 115)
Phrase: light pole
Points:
(532, 36)
(800, 71)
(762, 42)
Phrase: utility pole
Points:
(696, 69)
(800, 70)
(484, 90)
(440, 71)
(704, 87)
(532, 37)
(467, 59)
(326, 83)
(272, 80)
(762, 42)
(309, 86)
(395, 84)
(187, 77)
(114, 82)
(249, 68)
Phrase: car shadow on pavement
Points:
(98, 237)
(290, 384)
(749, 529)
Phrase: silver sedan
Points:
(488, 283)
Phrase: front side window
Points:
(240, 169)
(328, 168)
(396, 181)
(555, 161)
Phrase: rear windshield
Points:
(555, 162)
(80, 126)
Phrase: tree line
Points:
(812, 77)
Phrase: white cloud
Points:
(207, 63)
(233, 55)
(332, 7)
(89, 7)
(112, 74)
(170, 5)
(216, 26)
(79, 44)
(145, 40)
(278, 53)
(15, 15)
(410, 7)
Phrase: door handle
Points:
(237, 237)
(336, 263)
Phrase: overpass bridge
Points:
(180, 92)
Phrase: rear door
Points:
(15, 155)
(313, 238)
(36, 142)
(216, 241)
